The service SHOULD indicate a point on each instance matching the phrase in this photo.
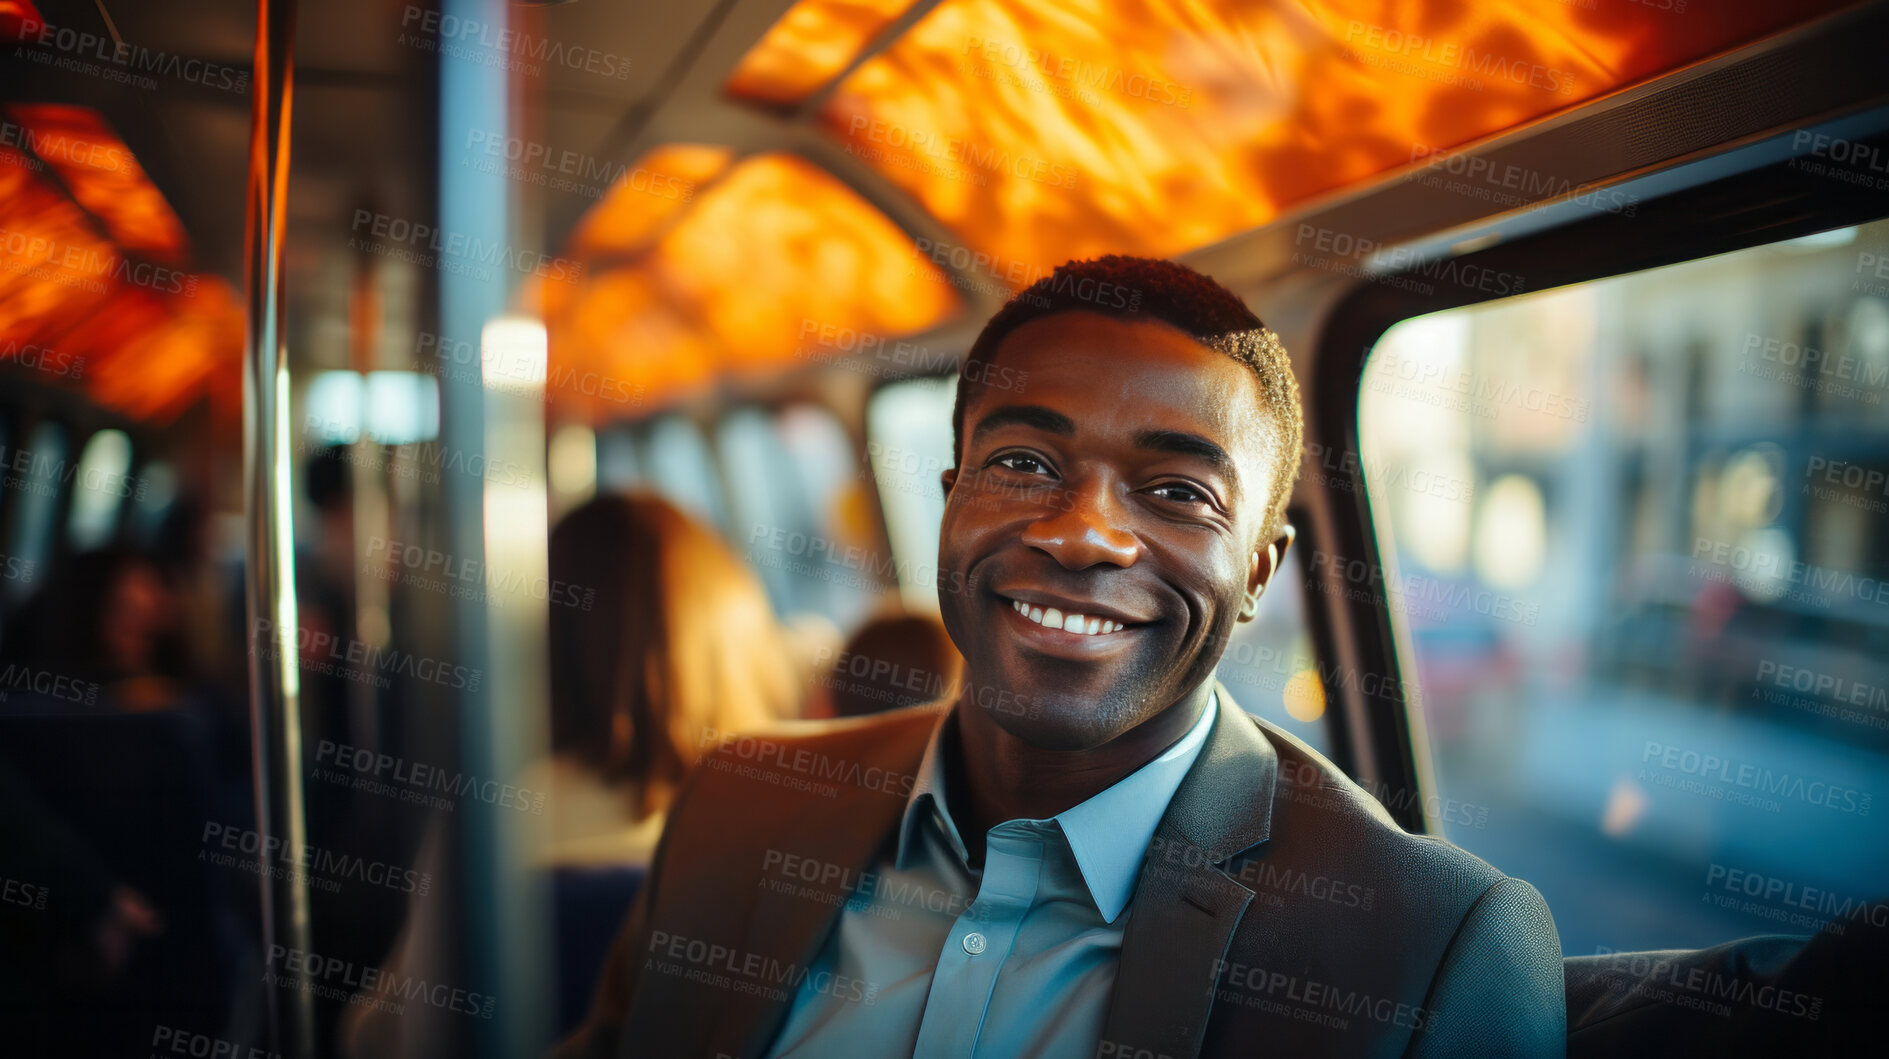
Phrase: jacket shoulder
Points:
(875, 755)
(1316, 805)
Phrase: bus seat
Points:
(1744, 997)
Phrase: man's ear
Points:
(1264, 565)
(949, 478)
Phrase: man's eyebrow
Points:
(1029, 415)
(1185, 444)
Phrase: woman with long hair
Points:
(661, 640)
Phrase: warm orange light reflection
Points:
(811, 45)
(660, 186)
(1041, 131)
(729, 287)
(92, 289)
(104, 176)
(16, 15)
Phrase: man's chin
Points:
(1061, 723)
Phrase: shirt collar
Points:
(1108, 834)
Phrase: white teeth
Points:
(1056, 619)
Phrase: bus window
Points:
(100, 486)
(908, 445)
(36, 478)
(683, 469)
(1269, 666)
(1650, 635)
(797, 516)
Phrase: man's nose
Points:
(1086, 528)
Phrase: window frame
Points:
(1744, 195)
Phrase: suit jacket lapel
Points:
(847, 830)
(1185, 909)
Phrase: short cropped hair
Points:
(1139, 289)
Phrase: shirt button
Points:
(974, 943)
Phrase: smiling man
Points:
(1091, 851)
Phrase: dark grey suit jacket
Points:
(1280, 911)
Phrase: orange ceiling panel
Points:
(660, 187)
(92, 292)
(16, 16)
(103, 176)
(814, 42)
(729, 285)
(1040, 131)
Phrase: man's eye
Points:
(1021, 463)
(1179, 493)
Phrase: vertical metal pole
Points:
(494, 522)
(269, 572)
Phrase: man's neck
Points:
(997, 777)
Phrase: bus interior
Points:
(315, 320)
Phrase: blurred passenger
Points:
(667, 642)
(894, 660)
(108, 775)
(104, 624)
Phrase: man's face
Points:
(1126, 483)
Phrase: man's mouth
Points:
(1076, 617)
(1050, 617)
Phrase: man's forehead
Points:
(1125, 377)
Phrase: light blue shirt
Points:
(1016, 959)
